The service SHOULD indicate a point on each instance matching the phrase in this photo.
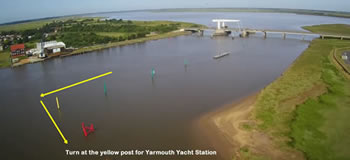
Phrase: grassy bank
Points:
(5, 60)
(139, 40)
(320, 127)
(308, 107)
(341, 29)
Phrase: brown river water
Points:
(138, 112)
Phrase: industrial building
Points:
(50, 47)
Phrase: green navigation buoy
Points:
(153, 72)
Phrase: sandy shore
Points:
(231, 129)
(222, 127)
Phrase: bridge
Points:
(193, 30)
(285, 33)
(223, 30)
(221, 22)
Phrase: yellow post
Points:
(58, 104)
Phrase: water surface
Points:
(139, 112)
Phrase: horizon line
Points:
(159, 9)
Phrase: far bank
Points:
(71, 36)
(301, 115)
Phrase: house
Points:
(17, 50)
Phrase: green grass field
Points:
(260, 10)
(321, 127)
(309, 106)
(339, 29)
(128, 42)
(24, 26)
(150, 23)
(339, 52)
(40, 23)
(5, 60)
(155, 23)
(111, 34)
(36, 24)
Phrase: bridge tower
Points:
(222, 29)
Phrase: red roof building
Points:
(17, 50)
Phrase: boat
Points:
(221, 55)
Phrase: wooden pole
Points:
(58, 104)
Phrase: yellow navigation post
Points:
(75, 84)
(54, 123)
(58, 104)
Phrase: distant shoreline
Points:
(342, 14)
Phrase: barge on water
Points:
(221, 55)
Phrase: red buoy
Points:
(87, 130)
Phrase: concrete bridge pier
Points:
(284, 35)
(265, 34)
(201, 32)
(244, 34)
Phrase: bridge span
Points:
(285, 33)
(245, 32)
(223, 30)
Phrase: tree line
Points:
(83, 33)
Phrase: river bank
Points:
(105, 46)
(82, 35)
(299, 115)
(128, 42)
(231, 130)
(223, 126)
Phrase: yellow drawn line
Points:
(75, 84)
(53, 121)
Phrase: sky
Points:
(14, 10)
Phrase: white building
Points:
(344, 57)
(49, 47)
